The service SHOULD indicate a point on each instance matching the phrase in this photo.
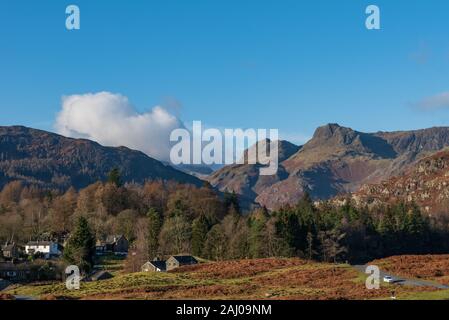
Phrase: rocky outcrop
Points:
(426, 183)
(337, 160)
(245, 179)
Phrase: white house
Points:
(155, 266)
(47, 248)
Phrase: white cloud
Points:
(438, 101)
(111, 120)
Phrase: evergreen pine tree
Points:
(200, 228)
(257, 241)
(81, 246)
(115, 178)
(231, 202)
(154, 228)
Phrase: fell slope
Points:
(337, 160)
(257, 279)
(426, 183)
(245, 180)
(53, 161)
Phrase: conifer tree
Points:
(115, 178)
(200, 227)
(80, 246)
(154, 228)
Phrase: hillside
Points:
(336, 160)
(272, 279)
(245, 180)
(54, 161)
(425, 183)
(427, 267)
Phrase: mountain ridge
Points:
(339, 160)
(424, 183)
(51, 160)
(246, 178)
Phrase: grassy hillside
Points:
(243, 279)
(425, 267)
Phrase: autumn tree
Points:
(237, 236)
(62, 208)
(175, 235)
(154, 195)
(331, 246)
(126, 224)
(112, 198)
(11, 225)
(11, 193)
(138, 253)
(215, 244)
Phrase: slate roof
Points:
(159, 264)
(185, 259)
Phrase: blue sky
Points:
(289, 64)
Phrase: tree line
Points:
(165, 218)
(323, 232)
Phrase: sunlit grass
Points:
(433, 295)
(308, 280)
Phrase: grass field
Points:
(243, 279)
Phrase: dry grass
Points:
(426, 267)
(326, 282)
(238, 268)
(286, 279)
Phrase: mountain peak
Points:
(328, 130)
(333, 134)
(285, 149)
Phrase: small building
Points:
(177, 261)
(116, 244)
(154, 266)
(48, 249)
(10, 251)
